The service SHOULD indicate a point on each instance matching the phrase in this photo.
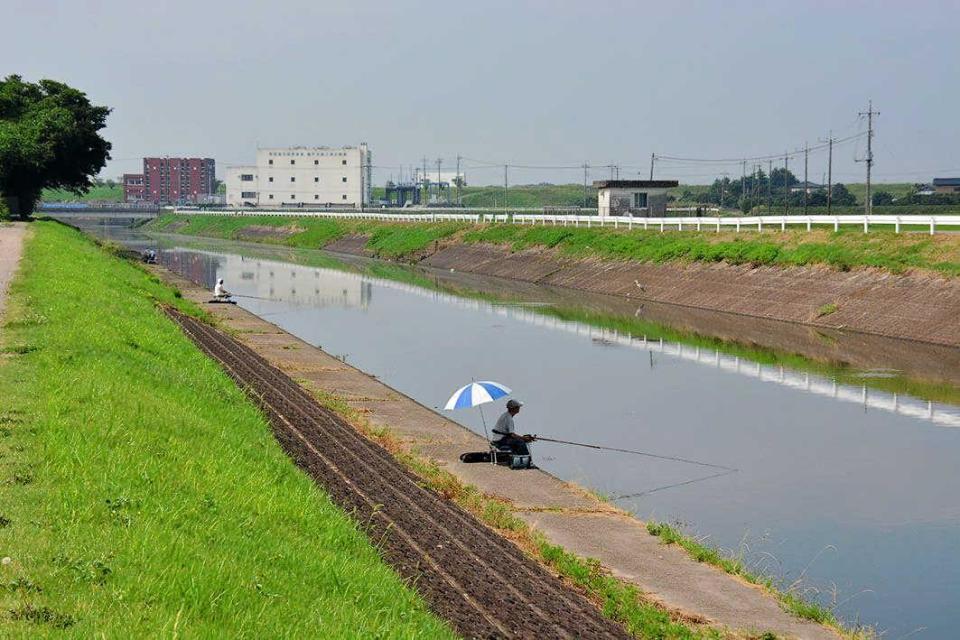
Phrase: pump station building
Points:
(637, 198)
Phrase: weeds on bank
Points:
(143, 494)
(619, 600)
(791, 601)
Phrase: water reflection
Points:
(320, 287)
(850, 488)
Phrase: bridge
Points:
(110, 211)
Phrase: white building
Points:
(633, 197)
(302, 177)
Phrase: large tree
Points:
(49, 137)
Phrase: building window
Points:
(343, 162)
(316, 196)
(316, 162)
(344, 197)
(270, 161)
(292, 196)
(316, 179)
(293, 162)
(639, 200)
(248, 194)
(246, 177)
(270, 196)
(292, 179)
(270, 179)
(343, 179)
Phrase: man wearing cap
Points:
(507, 431)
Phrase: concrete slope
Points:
(564, 513)
(919, 306)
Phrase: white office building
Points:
(302, 177)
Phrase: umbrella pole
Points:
(493, 459)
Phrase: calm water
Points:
(851, 492)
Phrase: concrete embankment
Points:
(917, 306)
(563, 513)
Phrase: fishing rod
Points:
(639, 453)
(240, 295)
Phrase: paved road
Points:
(11, 247)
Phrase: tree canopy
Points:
(49, 137)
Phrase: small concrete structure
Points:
(633, 197)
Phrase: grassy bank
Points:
(845, 250)
(143, 495)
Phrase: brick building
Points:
(172, 181)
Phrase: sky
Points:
(543, 85)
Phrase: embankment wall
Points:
(915, 306)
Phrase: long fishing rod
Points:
(638, 453)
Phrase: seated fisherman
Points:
(219, 292)
(505, 428)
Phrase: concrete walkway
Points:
(565, 514)
(12, 236)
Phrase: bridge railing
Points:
(714, 223)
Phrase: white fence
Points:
(672, 223)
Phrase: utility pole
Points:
(806, 182)
(439, 162)
(868, 204)
(505, 186)
(585, 167)
(786, 185)
(743, 184)
(769, 186)
(653, 158)
(830, 140)
(459, 180)
(426, 180)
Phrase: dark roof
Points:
(946, 182)
(635, 184)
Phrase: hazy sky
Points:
(531, 83)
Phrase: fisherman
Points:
(219, 293)
(507, 431)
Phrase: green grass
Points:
(844, 250)
(142, 495)
(789, 599)
(97, 193)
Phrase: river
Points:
(846, 485)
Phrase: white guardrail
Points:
(671, 223)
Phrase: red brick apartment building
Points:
(171, 181)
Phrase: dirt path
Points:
(470, 576)
(565, 514)
(12, 236)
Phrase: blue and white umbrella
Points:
(475, 394)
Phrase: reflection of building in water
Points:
(282, 281)
(330, 287)
(199, 268)
(819, 385)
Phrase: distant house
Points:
(633, 197)
(809, 186)
(946, 185)
(133, 187)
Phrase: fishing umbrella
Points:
(477, 394)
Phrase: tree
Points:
(842, 196)
(881, 198)
(48, 139)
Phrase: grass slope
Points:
(143, 495)
(97, 193)
(844, 250)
